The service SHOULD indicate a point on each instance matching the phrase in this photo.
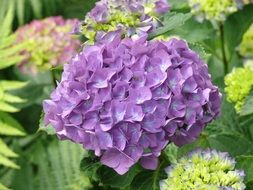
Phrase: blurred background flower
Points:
(238, 86)
(246, 47)
(216, 10)
(49, 43)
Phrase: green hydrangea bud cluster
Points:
(126, 20)
(212, 9)
(204, 170)
(238, 85)
(246, 47)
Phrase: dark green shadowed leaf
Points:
(111, 178)
(89, 166)
(246, 163)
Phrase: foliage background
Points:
(30, 159)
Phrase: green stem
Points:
(53, 78)
(224, 58)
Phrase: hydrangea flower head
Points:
(127, 98)
(204, 170)
(132, 16)
(246, 47)
(49, 43)
(238, 85)
(213, 9)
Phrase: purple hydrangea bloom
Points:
(131, 16)
(127, 99)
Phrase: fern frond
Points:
(6, 151)
(57, 166)
(12, 99)
(5, 107)
(6, 22)
(9, 126)
(6, 98)
(2, 187)
(5, 161)
(11, 85)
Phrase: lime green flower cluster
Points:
(238, 85)
(246, 47)
(117, 17)
(204, 170)
(213, 9)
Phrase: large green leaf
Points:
(98, 174)
(111, 178)
(247, 108)
(171, 21)
(149, 180)
(89, 166)
(193, 31)
(235, 26)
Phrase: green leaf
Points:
(57, 166)
(227, 143)
(246, 163)
(2, 187)
(228, 127)
(9, 61)
(171, 21)
(11, 85)
(148, 180)
(7, 107)
(111, 178)
(36, 7)
(12, 99)
(20, 9)
(9, 126)
(179, 5)
(6, 24)
(233, 37)
(247, 108)
(193, 31)
(89, 167)
(171, 152)
(7, 162)
(6, 151)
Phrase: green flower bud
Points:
(204, 170)
(212, 9)
(238, 85)
(246, 47)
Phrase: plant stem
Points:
(224, 58)
(53, 78)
